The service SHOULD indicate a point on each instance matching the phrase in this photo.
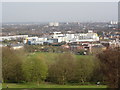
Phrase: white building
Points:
(58, 37)
(53, 24)
(36, 40)
(113, 22)
(17, 47)
(77, 37)
(90, 37)
(2, 38)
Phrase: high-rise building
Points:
(53, 24)
(119, 15)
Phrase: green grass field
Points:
(50, 56)
(31, 85)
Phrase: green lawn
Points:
(13, 85)
(50, 56)
(84, 56)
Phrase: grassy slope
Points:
(50, 86)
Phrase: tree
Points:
(97, 75)
(110, 60)
(62, 70)
(35, 69)
(1, 65)
(11, 66)
(84, 69)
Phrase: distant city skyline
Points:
(59, 11)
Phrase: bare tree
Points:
(110, 60)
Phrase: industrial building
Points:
(58, 37)
(2, 38)
(77, 37)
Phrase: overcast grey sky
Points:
(61, 12)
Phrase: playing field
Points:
(50, 56)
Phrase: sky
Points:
(59, 11)
(60, 0)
